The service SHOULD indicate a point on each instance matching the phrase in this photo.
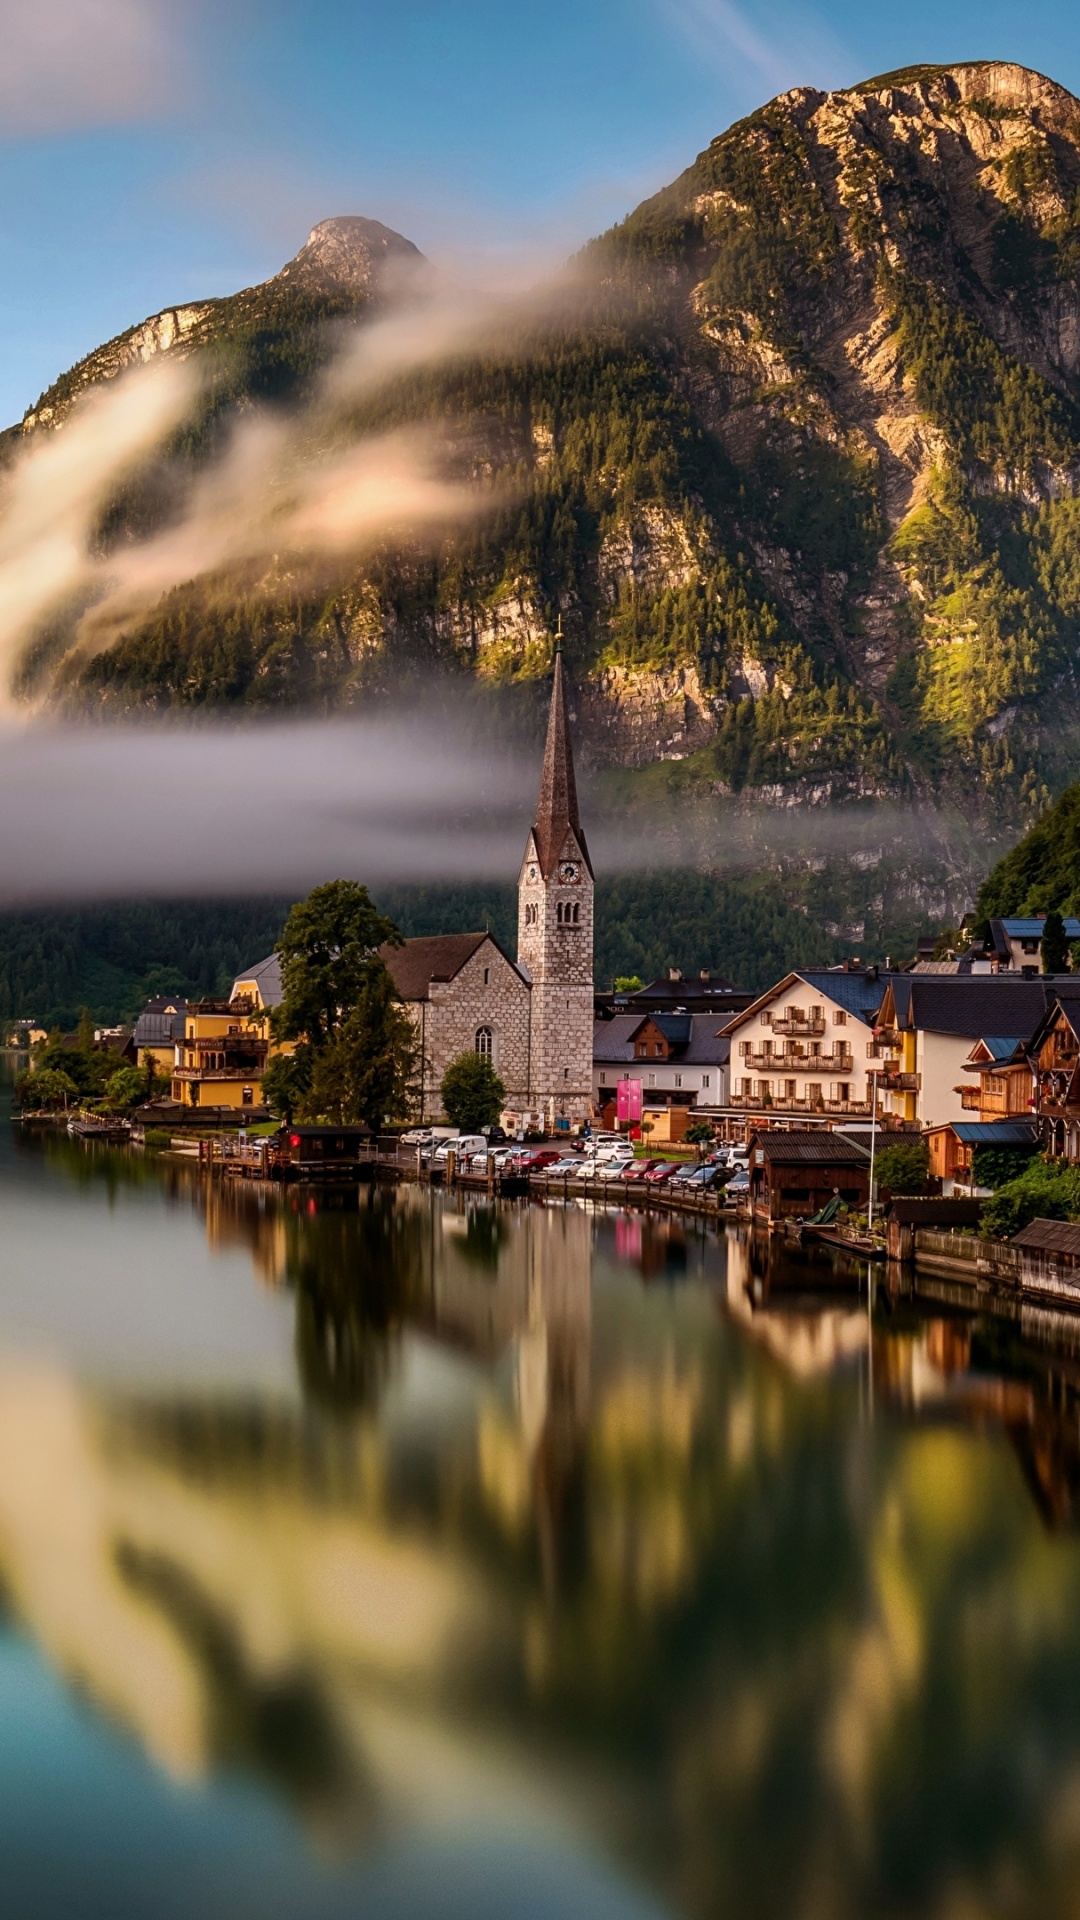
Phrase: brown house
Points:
(1054, 1054)
(793, 1175)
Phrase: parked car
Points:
(537, 1159)
(637, 1169)
(662, 1172)
(567, 1169)
(610, 1170)
(416, 1137)
(464, 1147)
(698, 1179)
(738, 1187)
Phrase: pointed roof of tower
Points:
(557, 807)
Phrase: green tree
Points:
(126, 1088)
(628, 983)
(365, 1075)
(329, 954)
(87, 1031)
(356, 1056)
(44, 1089)
(1055, 945)
(286, 1082)
(903, 1167)
(994, 1166)
(472, 1093)
(1047, 1190)
(700, 1134)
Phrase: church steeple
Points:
(557, 807)
(555, 931)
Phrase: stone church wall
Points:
(458, 1008)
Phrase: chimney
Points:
(705, 974)
(673, 973)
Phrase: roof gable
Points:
(434, 959)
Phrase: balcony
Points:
(216, 1073)
(789, 1062)
(894, 1082)
(799, 1024)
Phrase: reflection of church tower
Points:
(555, 930)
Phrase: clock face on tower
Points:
(568, 870)
(532, 873)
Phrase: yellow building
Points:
(220, 1060)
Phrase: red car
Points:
(538, 1158)
(662, 1171)
(638, 1169)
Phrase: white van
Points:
(464, 1146)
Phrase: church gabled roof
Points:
(557, 808)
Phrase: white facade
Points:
(800, 1051)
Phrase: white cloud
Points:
(66, 64)
(779, 46)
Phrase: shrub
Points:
(1046, 1190)
(472, 1093)
(904, 1168)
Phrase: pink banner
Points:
(628, 1102)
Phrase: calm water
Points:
(393, 1559)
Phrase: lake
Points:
(377, 1554)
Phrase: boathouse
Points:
(793, 1175)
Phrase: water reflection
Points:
(593, 1526)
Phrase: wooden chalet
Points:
(794, 1174)
(1054, 1055)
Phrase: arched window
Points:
(484, 1042)
(558, 914)
(574, 911)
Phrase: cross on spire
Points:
(557, 807)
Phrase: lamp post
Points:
(873, 1147)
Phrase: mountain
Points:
(1041, 873)
(799, 473)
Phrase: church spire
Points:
(557, 808)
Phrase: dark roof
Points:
(820, 1146)
(970, 1005)
(613, 1041)
(675, 1027)
(435, 956)
(156, 1028)
(1050, 1236)
(117, 1043)
(860, 993)
(557, 808)
(267, 976)
(995, 1133)
(935, 1213)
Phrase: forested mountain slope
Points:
(1042, 872)
(799, 472)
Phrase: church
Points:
(531, 1017)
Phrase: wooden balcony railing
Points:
(787, 1062)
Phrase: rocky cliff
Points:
(797, 468)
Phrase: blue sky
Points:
(157, 150)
